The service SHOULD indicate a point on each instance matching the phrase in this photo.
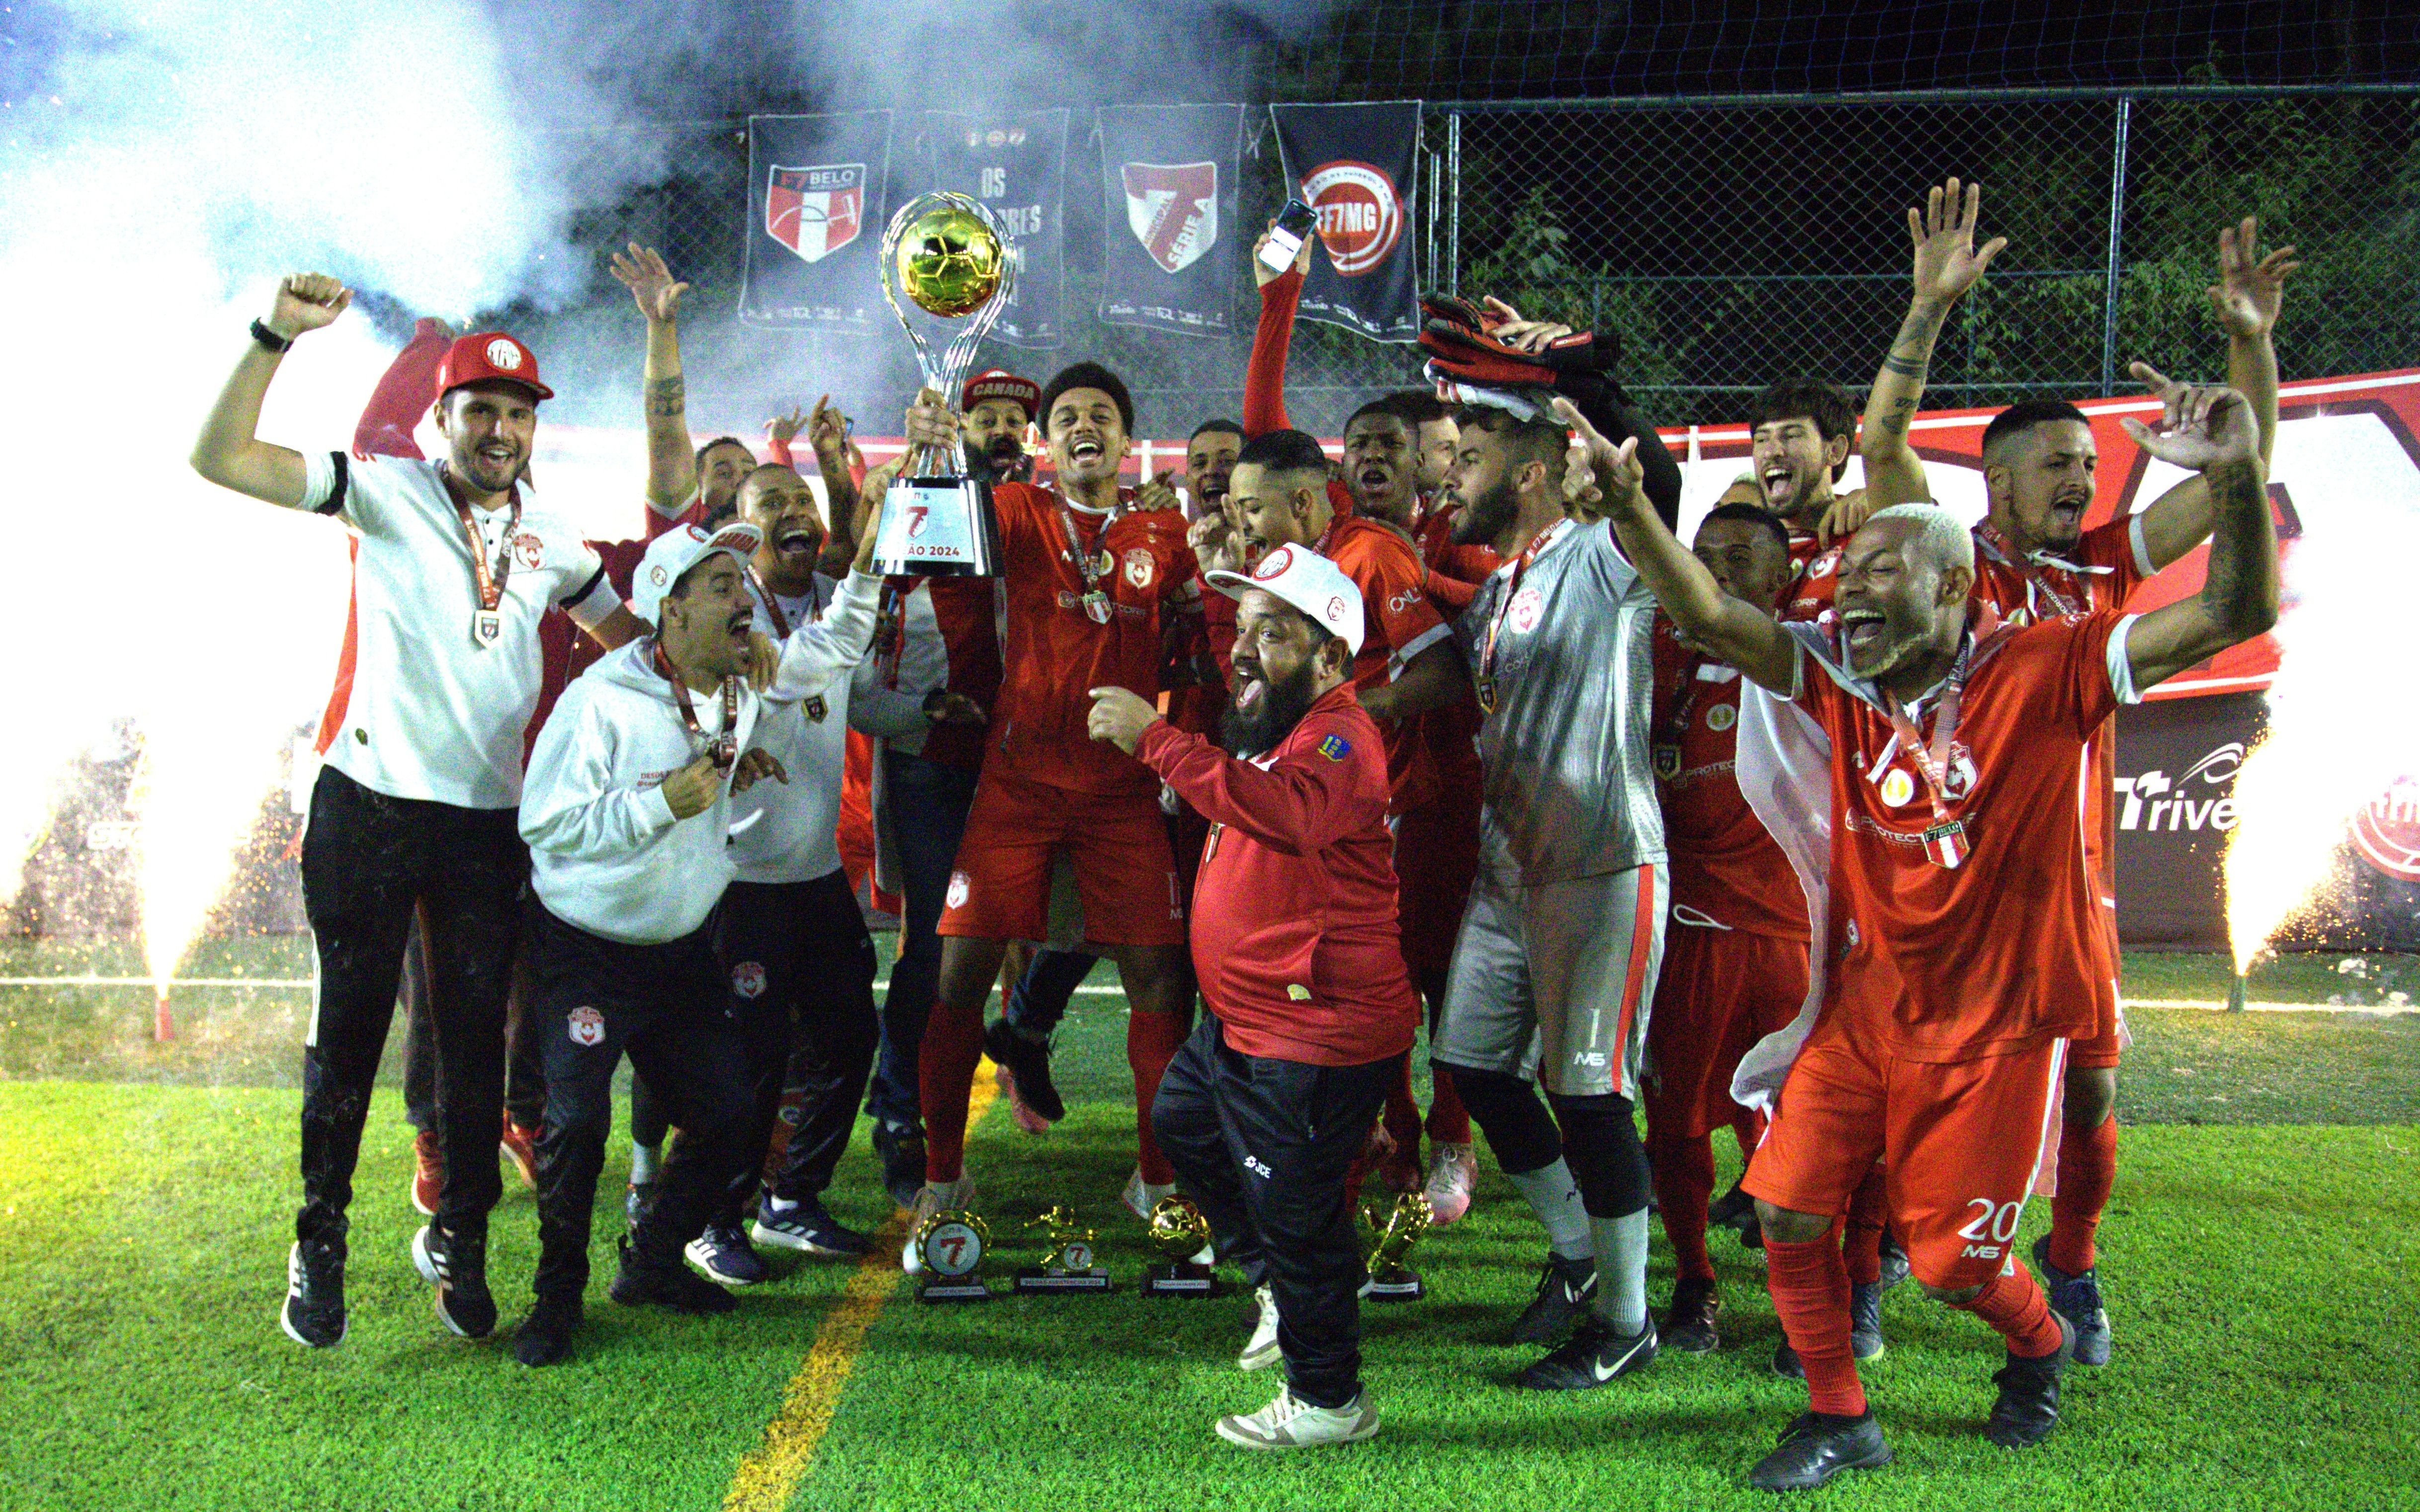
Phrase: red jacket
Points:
(1294, 938)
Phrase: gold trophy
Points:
(1390, 1279)
(1072, 1264)
(947, 254)
(1181, 1234)
(952, 1245)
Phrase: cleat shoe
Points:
(1689, 1325)
(901, 1149)
(456, 1266)
(1818, 1446)
(1895, 1263)
(1260, 1350)
(1593, 1356)
(636, 1284)
(314, 1313)
(1866, 1319)
(545, 1335)
(1024, 1075)
(428, 1173)
(520, 1145)
(1564, 1289)
(723, 1252)
(932, 1197)
(1454, 1173)
(1291, 1423)
(2076, 1297)
(1141, 1197)
(2027, 1408)
(806, 1227)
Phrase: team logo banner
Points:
(1016, 165)
(1170, 248)
(816, 204)
(1358, 166)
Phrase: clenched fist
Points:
(305, 301)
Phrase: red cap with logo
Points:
(1000, 383)
(488, 356)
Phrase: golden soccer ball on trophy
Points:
(949, 261)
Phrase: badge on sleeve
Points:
(816, 708)
(587, 1026)
(1335, 748)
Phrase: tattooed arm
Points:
(672, 462)
(2215, 432)
(1947, 266)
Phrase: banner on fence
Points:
(1016, 166)
(1169, 238)
(818, 198)
(1358, 166)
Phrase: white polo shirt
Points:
(420, 709)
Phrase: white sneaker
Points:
(1260, 1350)
(1288, 1423)
(937, 1196)
(1453, 1171)
(1141, 1195)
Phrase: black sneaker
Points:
(1818, 1446)
(1689, 1324)
(545, 1336)
(1866, 1319)
(2027, 1408)
(1895, 1266)
(636, 1284)
(1593, 1356)
(1564, 1289)
(901, 1149)
(456, 1266)
(723, 1252)
(2077, 1299)
(1029, 1064)
(806, 1225)
(314, 1313)
(1726, 1211)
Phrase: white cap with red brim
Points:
(1307, 580)
(675, 552)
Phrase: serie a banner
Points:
(1170, 249)
(1016, 166)
(1358, 166)
(817, 202)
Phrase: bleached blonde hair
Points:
(1939, 536)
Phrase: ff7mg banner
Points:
(1357, 166)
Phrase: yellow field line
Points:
(768, 1474)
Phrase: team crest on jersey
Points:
(1335, 748)
(530, 549)
(1140, 566)
(816, 708)
(1527, 606)
(815, 212)
(1668, 762)
(1172, 209)
(1721, 717)
(748, 979)
(958, 890)
(1824, 566)
(587, 1025)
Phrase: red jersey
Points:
(1958, 962)
(1725, 866)
(1295, 936)
(1398, 623)
(1813, 568)
(1055, 652)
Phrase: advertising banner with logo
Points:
(1170, 249)
(817, 202)
(1016, 165)
(1357, 166)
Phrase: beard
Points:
(1487, 516)
(1004, 461)
(1256, 730)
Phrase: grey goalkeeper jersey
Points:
(1567, 789)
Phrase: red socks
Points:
(1448, 1121)
(2013, 1305)
(1685, 1185)
(1810, 1293)
(1152, 1042)
(1861, 1242)
(2087, 1169)
(945, 1074)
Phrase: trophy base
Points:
(1394, 1285)
(961, 1290)
(938, 527)
(1037, 1280)
(1182, 1279)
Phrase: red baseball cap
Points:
(488, 356)
(1000, 383)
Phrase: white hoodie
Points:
(605, 852)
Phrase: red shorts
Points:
(1719, 993)
(1118, 846)
(1437, 855)
(1959, 1144)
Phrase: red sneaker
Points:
(520, 1145)
(427, 1172)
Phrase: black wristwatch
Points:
(269, 339)
(932, 713)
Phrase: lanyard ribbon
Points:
(486, 625)
(725, 745)
(1945, 839)
(1087, 555)
(1486, 683)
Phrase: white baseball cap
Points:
(675, 552)
(1307, 580)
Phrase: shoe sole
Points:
(1244, 1441)
(718, 1278)
(1259, 1359)
(803, 1245)
(1874, 1461)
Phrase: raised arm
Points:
(1730, 630)
(2246, 299)
(230, 452)
(1947, 266)
(672, 460)
(1264, 373)
(2212, 431)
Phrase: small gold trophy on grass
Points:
(1390, 1279)
(1071, 1266)
(1180, 1233)
(952, 1245)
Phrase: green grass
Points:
(2261, 1267)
